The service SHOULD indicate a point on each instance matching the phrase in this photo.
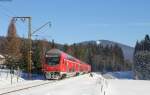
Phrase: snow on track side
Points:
(79, 85)
(22, 86)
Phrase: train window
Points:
(71, 58)
(52, 60)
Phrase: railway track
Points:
(24, 87)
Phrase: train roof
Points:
(54, 51)
(58, 52)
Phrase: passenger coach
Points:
(59, 64)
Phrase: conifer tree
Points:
(13, 43)
(142, 59)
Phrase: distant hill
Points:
(127, 50)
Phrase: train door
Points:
(65, 65)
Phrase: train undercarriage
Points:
(53, 75)
(59, 75)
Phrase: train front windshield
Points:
(52, 60)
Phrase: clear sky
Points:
(124, 21)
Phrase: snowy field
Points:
(128, 87)
(122, 83)
(80, 85)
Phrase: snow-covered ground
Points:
(122, 83)
(128, 87)
(8, 79)
(82, 85)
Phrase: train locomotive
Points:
(58, 65)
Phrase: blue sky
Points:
(124, 21)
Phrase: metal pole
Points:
(30, 49)
(30, 44)
(30, 41)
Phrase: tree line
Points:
(101, 58)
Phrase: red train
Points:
(59, 64)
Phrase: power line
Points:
(48, 23)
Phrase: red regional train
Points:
(58, 65)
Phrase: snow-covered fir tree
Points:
(142, 59)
